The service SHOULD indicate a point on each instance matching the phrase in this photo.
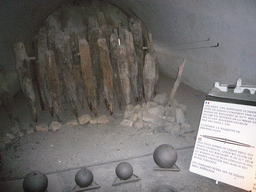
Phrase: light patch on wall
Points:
(191, 20)
(218, 68)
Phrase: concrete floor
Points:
(100, 148)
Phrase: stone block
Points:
(160, 98)
(173, 128)
(84, 119)
(169, 111)
(55, 126)
(186, 128)
(129, 107)
(103, 119)
(138, 125)
(11, 136)
(30, 130)
(138, 108)
(180, 117)
(7, 140)
(127, 123)
(151, 104)
(73, 122)
(43, 127)
(148, 117)
(183, 107)
(169, 118)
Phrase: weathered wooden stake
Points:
(114, 58)
(123, 68)
(87, 74)
(107, 72)
(127, 39)
(150, 75)
(94, 34)
(176, 84)
(54, 83)
(43, 80)
(23, 69)
(80, 88)
(136, 29)
(64, 55)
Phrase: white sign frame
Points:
(225, 148)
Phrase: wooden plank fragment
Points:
(150, 75)
(87, 75)
(136, 29)
(107, 72)
(24, 75)
(43, 80)
(123, 68)
(80, 88)
(127, 39)
(94, 34)
(64, 58)
(114, 57)
(54, 83)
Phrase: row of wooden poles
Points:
(79, 67)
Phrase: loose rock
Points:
(84, 119)
(127, 123)
(55, 125)
(42, 127)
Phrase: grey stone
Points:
(170, 111)
(160, 98)
(127, 123)
(139, 124)
(148, 117)
(129, 107)
(103, 119)
(129, 115)
(180, 117)
(186, 128)
(43, 127)
(151, 104)
(173, 128)
(140, 114)
(7, 140)
(21, 134)
(30, 130)
(11, 136)
(84, 119)
(73, 122)
(55, 125)
(169, 118)
(138, 108)
(183, 107)
(158, 124)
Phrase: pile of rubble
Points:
(158, 118)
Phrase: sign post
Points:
(225, 148)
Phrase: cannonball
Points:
(165, 156)
(84, 177)
(124, 170)
(35, 181)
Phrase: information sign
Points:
(225, 148)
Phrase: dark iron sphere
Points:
(84, 177)
(35, 181)
(165, 156)
(124, 170)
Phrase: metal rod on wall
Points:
(213, 46)
(190, 42)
